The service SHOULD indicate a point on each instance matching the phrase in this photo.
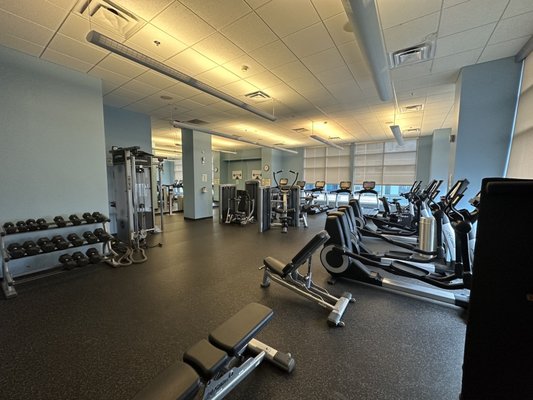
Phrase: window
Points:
(178, 169)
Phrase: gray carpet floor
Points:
(104, 333)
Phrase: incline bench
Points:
(218, 365)
(287, 275)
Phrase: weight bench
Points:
(218, 365)
(287, 275)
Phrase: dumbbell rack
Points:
(8, 281)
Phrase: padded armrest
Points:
(274, 265)
(177, 382)
(234, 334)
(205, 358)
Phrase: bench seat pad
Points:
(275, 265)
(234, 334)
(205, 358)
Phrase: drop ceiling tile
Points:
(108, 87)
(244, 66)
(144, 9)
(286, 17)
(126, 91)
(48, 15)
(411, 33)
(191, 62)
(65, 60)
(249, 33)
(141, 107)
(292, 71)
(513, 28)
(463, 41)
(116, 100)
(517, 7)
(77, 27)
(456, 61)
(139, 88)
(83, 51)
(451, 3)
(465, 16)
(182, 90)
(204, 99)
(328, 9)
(273, 54)
(156, 79)
(218, 48)
(19, 44)
(394, 12)
(335, 26)
(324, 60)
(109, 76)
(145, 39)
(122, 66)
(21, 28)
(264, 80)
(437, 98)
(217, 16)
(502, 49)
(180, 22)
(218, 76)
(256, 3)
(238, 89)
(411, 71)
(64, 4)
(311, 40)
(335, 75)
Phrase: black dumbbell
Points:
(32, 224)
(101, 234)
(60, 221)
(99, 217)
(94, 256)
(80, 259)
(16, 250)
(22, 227)
(30, 247)
(75, 219)
(10, 227)
(42, 223)
(67, 261)
(75, 239)
(60, 242)
(90, 237)
(46, 245)
(88, 217)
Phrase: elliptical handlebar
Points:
(296, 175)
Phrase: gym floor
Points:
(104, 333)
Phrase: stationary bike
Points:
(280, 200)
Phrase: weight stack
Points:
(498, 359)
(227, 192)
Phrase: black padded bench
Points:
(286, 274)
(206, 364)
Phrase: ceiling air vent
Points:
(411, 55)
(412, 132)
(196, 121)
(110, 16)
(258, 96)
(412, 108)
(300, 130)
(279, 144)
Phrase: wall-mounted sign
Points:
(236, 175)
(256, 174)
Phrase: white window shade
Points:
(368, 174)
(399, 174)
(520, 160)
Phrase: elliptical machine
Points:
(280, 201)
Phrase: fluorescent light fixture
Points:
(225, 151)
(183, 125)
(363, 16)
(397, 132)
(325, 141)
(140, 58)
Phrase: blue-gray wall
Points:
(423, 159)
(440, 157)
(52, 150)
(245, 161)
(488, 94)
(197, 165)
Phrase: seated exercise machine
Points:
(240, 209)
(280, 202)
(345, 187)
(286, 274)
(314, 193)
(219, 364)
